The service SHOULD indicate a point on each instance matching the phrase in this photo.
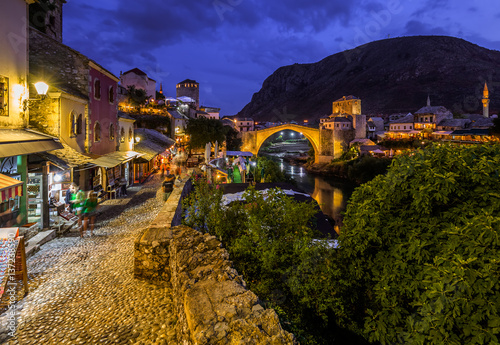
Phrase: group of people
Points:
(83, 206)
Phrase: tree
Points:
(233, 141)
(136, 97)
(495, 130)
(203, 131)
(419, 256)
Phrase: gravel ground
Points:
(82, 290)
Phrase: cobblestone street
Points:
(82, 290)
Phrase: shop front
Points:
(114, 173)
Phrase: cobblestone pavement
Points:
(82, 290)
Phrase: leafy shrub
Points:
(419, 257)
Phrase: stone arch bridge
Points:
(253, 140)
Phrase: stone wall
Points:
(212, 303)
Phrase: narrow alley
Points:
(82, 290)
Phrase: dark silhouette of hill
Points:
(390, 76)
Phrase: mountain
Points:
(389, 76)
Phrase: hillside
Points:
(390, 76)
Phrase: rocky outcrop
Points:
(389, 76)
(213, 305)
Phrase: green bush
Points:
(419, 257)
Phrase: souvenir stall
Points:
(13, 269)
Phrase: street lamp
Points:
(41, 88)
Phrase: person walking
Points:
(89, 212)
(68, 198)
(78, 201)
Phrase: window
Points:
(97, 132)
(97, 89)
(130, 134)
(404, 127)
(111, 94)
(122, 135)
(72, 121)
(410, 127)
(4, 96)
(111, 132)
(79, 124)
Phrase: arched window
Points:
(111, 94)
(97, 132)
(122, 135)
(130, 134)
(72, 121)
(79, 124)
(97, 89)
(111, 132)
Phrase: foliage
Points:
(203, 130)
(274, 250)
(495, 130)
(270, 171)
(366, 168)
(419, 252)
(152, 121)
(399, 143)
(136, 97)
(233, 140)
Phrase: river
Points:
(331, 194)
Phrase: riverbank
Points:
(358, 171)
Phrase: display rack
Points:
(8, 245)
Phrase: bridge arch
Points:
(252, 141)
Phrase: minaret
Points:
(161, 89)
(428, 101)
(486, 101)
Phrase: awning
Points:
(10, 187)
(18, 142)
(239, 153)
(115, 158)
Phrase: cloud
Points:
(414, 27)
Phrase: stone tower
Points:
(347, 105)
(486, 101)
(189, 88)
(47, 16)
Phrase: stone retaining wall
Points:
(212, 302)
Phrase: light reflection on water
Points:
(331, 194)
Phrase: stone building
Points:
(140, 80)
(47, 17)
(346, 124)
(189, 88)
(429, 116)
(17, 143)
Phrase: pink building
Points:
(103, 119)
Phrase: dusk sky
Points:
(231, 46)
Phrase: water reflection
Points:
(331, 194)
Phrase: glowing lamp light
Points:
(57, 178)
(18, 90)
(41, 88)
(137, 139)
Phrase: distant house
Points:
(140, 80)
(178, 122)
(374, 127)
(244, 124)
(213, 113)
(453, 124)
(429, 117)
(402, 127)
